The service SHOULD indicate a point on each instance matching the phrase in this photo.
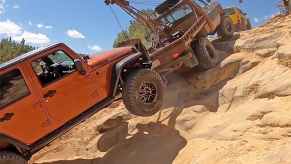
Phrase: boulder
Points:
(266, 52)
(284, 55)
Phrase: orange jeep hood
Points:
(109, 56)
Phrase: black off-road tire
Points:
(11, 158)
(226, 29)
(206, 53)
(134, 89)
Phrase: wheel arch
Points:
(126, 65)
(10, 144)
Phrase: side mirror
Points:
(79, 66)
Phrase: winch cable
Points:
(124, 32)
(141, 2)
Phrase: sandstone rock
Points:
(284, 55)
(212, 77)
(276, 119)
(265, 52)
(258, 115)
(262, 41)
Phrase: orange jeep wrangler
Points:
(46, 92)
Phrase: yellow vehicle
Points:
(234, 20)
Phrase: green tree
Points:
(10, 49)
(122, 36)
(135, 30)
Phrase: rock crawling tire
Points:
(226, 29)
(140, 84)
(206, 53)
(11, 158)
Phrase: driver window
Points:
(53, 67)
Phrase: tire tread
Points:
(205, 62)
(130, 90)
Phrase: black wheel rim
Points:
(147, 93)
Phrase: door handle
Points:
(6, 117)
(50, 93)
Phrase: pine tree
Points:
(10, 49)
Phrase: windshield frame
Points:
(169, 14)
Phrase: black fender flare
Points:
(121, 64)
(21, 147)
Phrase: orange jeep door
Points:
(20, 115)
(65, 92)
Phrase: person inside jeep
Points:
(47, 74)
(53, 67)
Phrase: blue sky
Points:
(86, 25)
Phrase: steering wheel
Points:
(55, 72)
